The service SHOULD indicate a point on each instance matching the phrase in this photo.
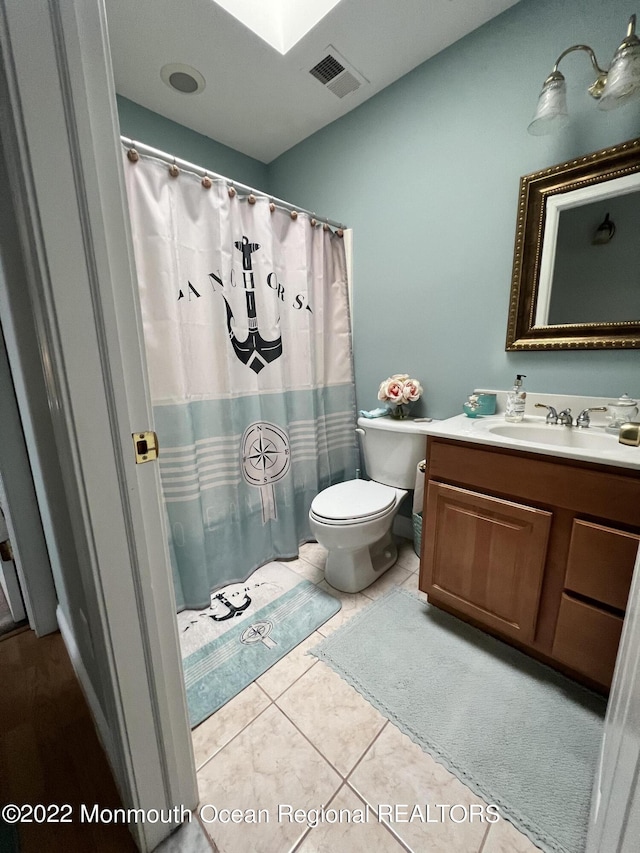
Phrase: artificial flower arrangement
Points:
(398, 391)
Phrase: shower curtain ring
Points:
(294, 214)
(174, 171)
(232, 191)
(314, 222)
(325, 227)
(206, 182)
(272, 206)
(132, 154)
(251, 199)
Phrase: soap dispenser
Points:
(516, 398)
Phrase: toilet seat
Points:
(352, 502)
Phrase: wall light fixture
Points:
(612, 87)
(604, 232)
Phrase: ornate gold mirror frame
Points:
(535, 190)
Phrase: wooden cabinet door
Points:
(485, 557)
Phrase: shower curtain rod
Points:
(199, 170)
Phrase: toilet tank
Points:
(392, 450)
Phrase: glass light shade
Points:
(551, 113)
(604, 232)
(623, 78)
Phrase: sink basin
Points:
(558, 436)
(534, 435)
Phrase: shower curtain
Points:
(246, 328)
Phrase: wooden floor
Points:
(49, 751)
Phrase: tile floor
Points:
(301, 737)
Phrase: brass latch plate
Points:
(146, 447)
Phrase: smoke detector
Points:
(336, 73)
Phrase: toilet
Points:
(353, 520)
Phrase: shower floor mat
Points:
(248, 628)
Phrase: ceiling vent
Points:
(334, 72)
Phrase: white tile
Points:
(314, 553)
(334, 716)
(412, 584)
(282, 675)
(305, 569)
(395, 576)
(267, 765)
(347, 835)
(218, 729)
(503, 837)
(351, 603)
(408, 558)
(396, 772)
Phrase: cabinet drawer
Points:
(587, 639)
(601, 561)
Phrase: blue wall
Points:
(143, 125)
(426, 173)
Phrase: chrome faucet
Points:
(583, 420)
(565, 418)
(552, 415)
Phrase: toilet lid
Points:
(354, 500)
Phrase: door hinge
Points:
(6, 551)
(146, 446)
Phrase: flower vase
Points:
(400, 412)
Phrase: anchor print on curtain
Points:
(247, 336)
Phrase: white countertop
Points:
(573, 443)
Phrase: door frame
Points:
(60, 137)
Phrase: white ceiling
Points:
(257, 100)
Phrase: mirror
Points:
(576, 264)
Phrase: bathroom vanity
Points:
(535, 545)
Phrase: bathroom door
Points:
(65, 174)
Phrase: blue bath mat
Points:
(518, 733)
(246, 630)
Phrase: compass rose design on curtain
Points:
(265, 460)
(247, 334)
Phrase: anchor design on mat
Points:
(254, 350)
(223, 597)
(232, 609)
